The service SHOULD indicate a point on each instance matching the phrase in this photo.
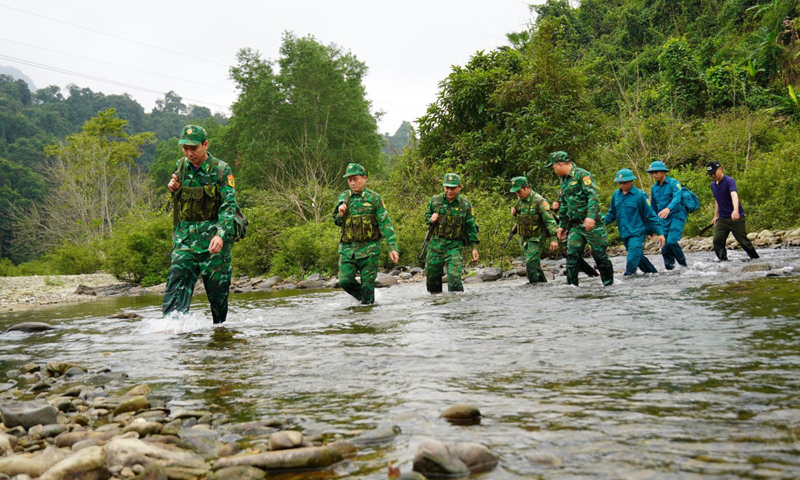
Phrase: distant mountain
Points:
(18, 75)
(394, 144)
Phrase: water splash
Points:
(175, 323)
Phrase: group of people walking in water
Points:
(207, 222)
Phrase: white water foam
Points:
(175, 323)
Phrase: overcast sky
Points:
(148, 47)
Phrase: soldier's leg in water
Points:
(216, 271)
(576, 242)
(739, 230)
(598, 241)
(721, 230)
(634, 247)
(180, 281)
(369, 272)
(533, 262)
(348, 268)
(434, 269)
(455, 266)
(674, 234)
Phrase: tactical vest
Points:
(359, 228)
(196, 204)
(528, 226)
(449, 226)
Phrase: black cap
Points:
(712, 167)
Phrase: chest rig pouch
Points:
(196, 204)
(528, 225)
(449, 226)
(361, 227)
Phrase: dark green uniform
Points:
(579, 200)
(454, 230)
(205, 205)
(535, 223)
(363, 225)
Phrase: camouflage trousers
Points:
(434, 269)
(350, 267)
(183, 272)
(577, 238)
(533, 248)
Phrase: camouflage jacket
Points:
(579, 198)
(364, 203)
(196, 235)
(535, 205)
(460, 207)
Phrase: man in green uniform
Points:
(581, 219)
(204, 206)
(364, 220)
(534, 222)
(452, 221)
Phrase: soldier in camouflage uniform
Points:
(364, 220)
(204, 205)
(581, 219)
(534, 222)
(453, 222)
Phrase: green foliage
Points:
(254, 254)
(73, 259)
(682, 80)
(139, 249)
(306, 249)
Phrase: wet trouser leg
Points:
(672, 250)
(533, 263)
(721, 231)
(349, 268)
(577, 239)
(455, 266)
(434, 269)
(739, 230)
(216, 271)
(183, 272)
(636, 258)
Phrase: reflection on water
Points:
(687, 374)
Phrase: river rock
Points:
(757, 267)
(142, 389)
(385, 280)
(490, 274)
(405, 276)
(47, 431)
(152, 472)
(128, 452)
(77, 465)
(56, 369)
(315, 277)
(270, 282)
(243, 472)
(68, 439)
(186, 472)
(285, 439)
(28, 414)
(30, 367)
(311, 284)
(84, 290)
(473, 279)
(7, 443)
(416, 271)
(462, 415)
(33, 465)
(434, 458)
(412, 476)
(126, 315)
(382, 434)
(139, 402)
(30, 327)
(332, 283)
(143, 427)
(306, 458)
(285, 286)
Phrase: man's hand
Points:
(661, 241)
(714, 220)
(395, 256)
(342, 209)
(554, 206)
(173, 184)
(434, 217)
(475, 256)
(513, 211)
(735, 214)
(553, 246)
(216, 245)
(561, 233)
(664, 213)
(588, 224)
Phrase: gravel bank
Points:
(17, 293)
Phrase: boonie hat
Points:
(193, 135)
(517, 183)
(354, 169)
(451, 180)
(657, 166)
(624, 175)
(712, 167)
(558, 157)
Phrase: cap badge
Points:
(189, 131)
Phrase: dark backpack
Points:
(240, 222)
(689, 200)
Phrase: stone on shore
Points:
(127, 452)
(490, 274)
(28, 414)
(30, 327)
(434, 458)
(33, 465)
(462, 415)
(77, 465)
(139, 402)
(306, 458)
(243, 472)
(385, 280)
(382, 434)
(285, 439)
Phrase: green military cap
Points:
(451, 180)
(517, 183)
(354, 169)
(558, 157)
(624, 175)
(193, 135)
